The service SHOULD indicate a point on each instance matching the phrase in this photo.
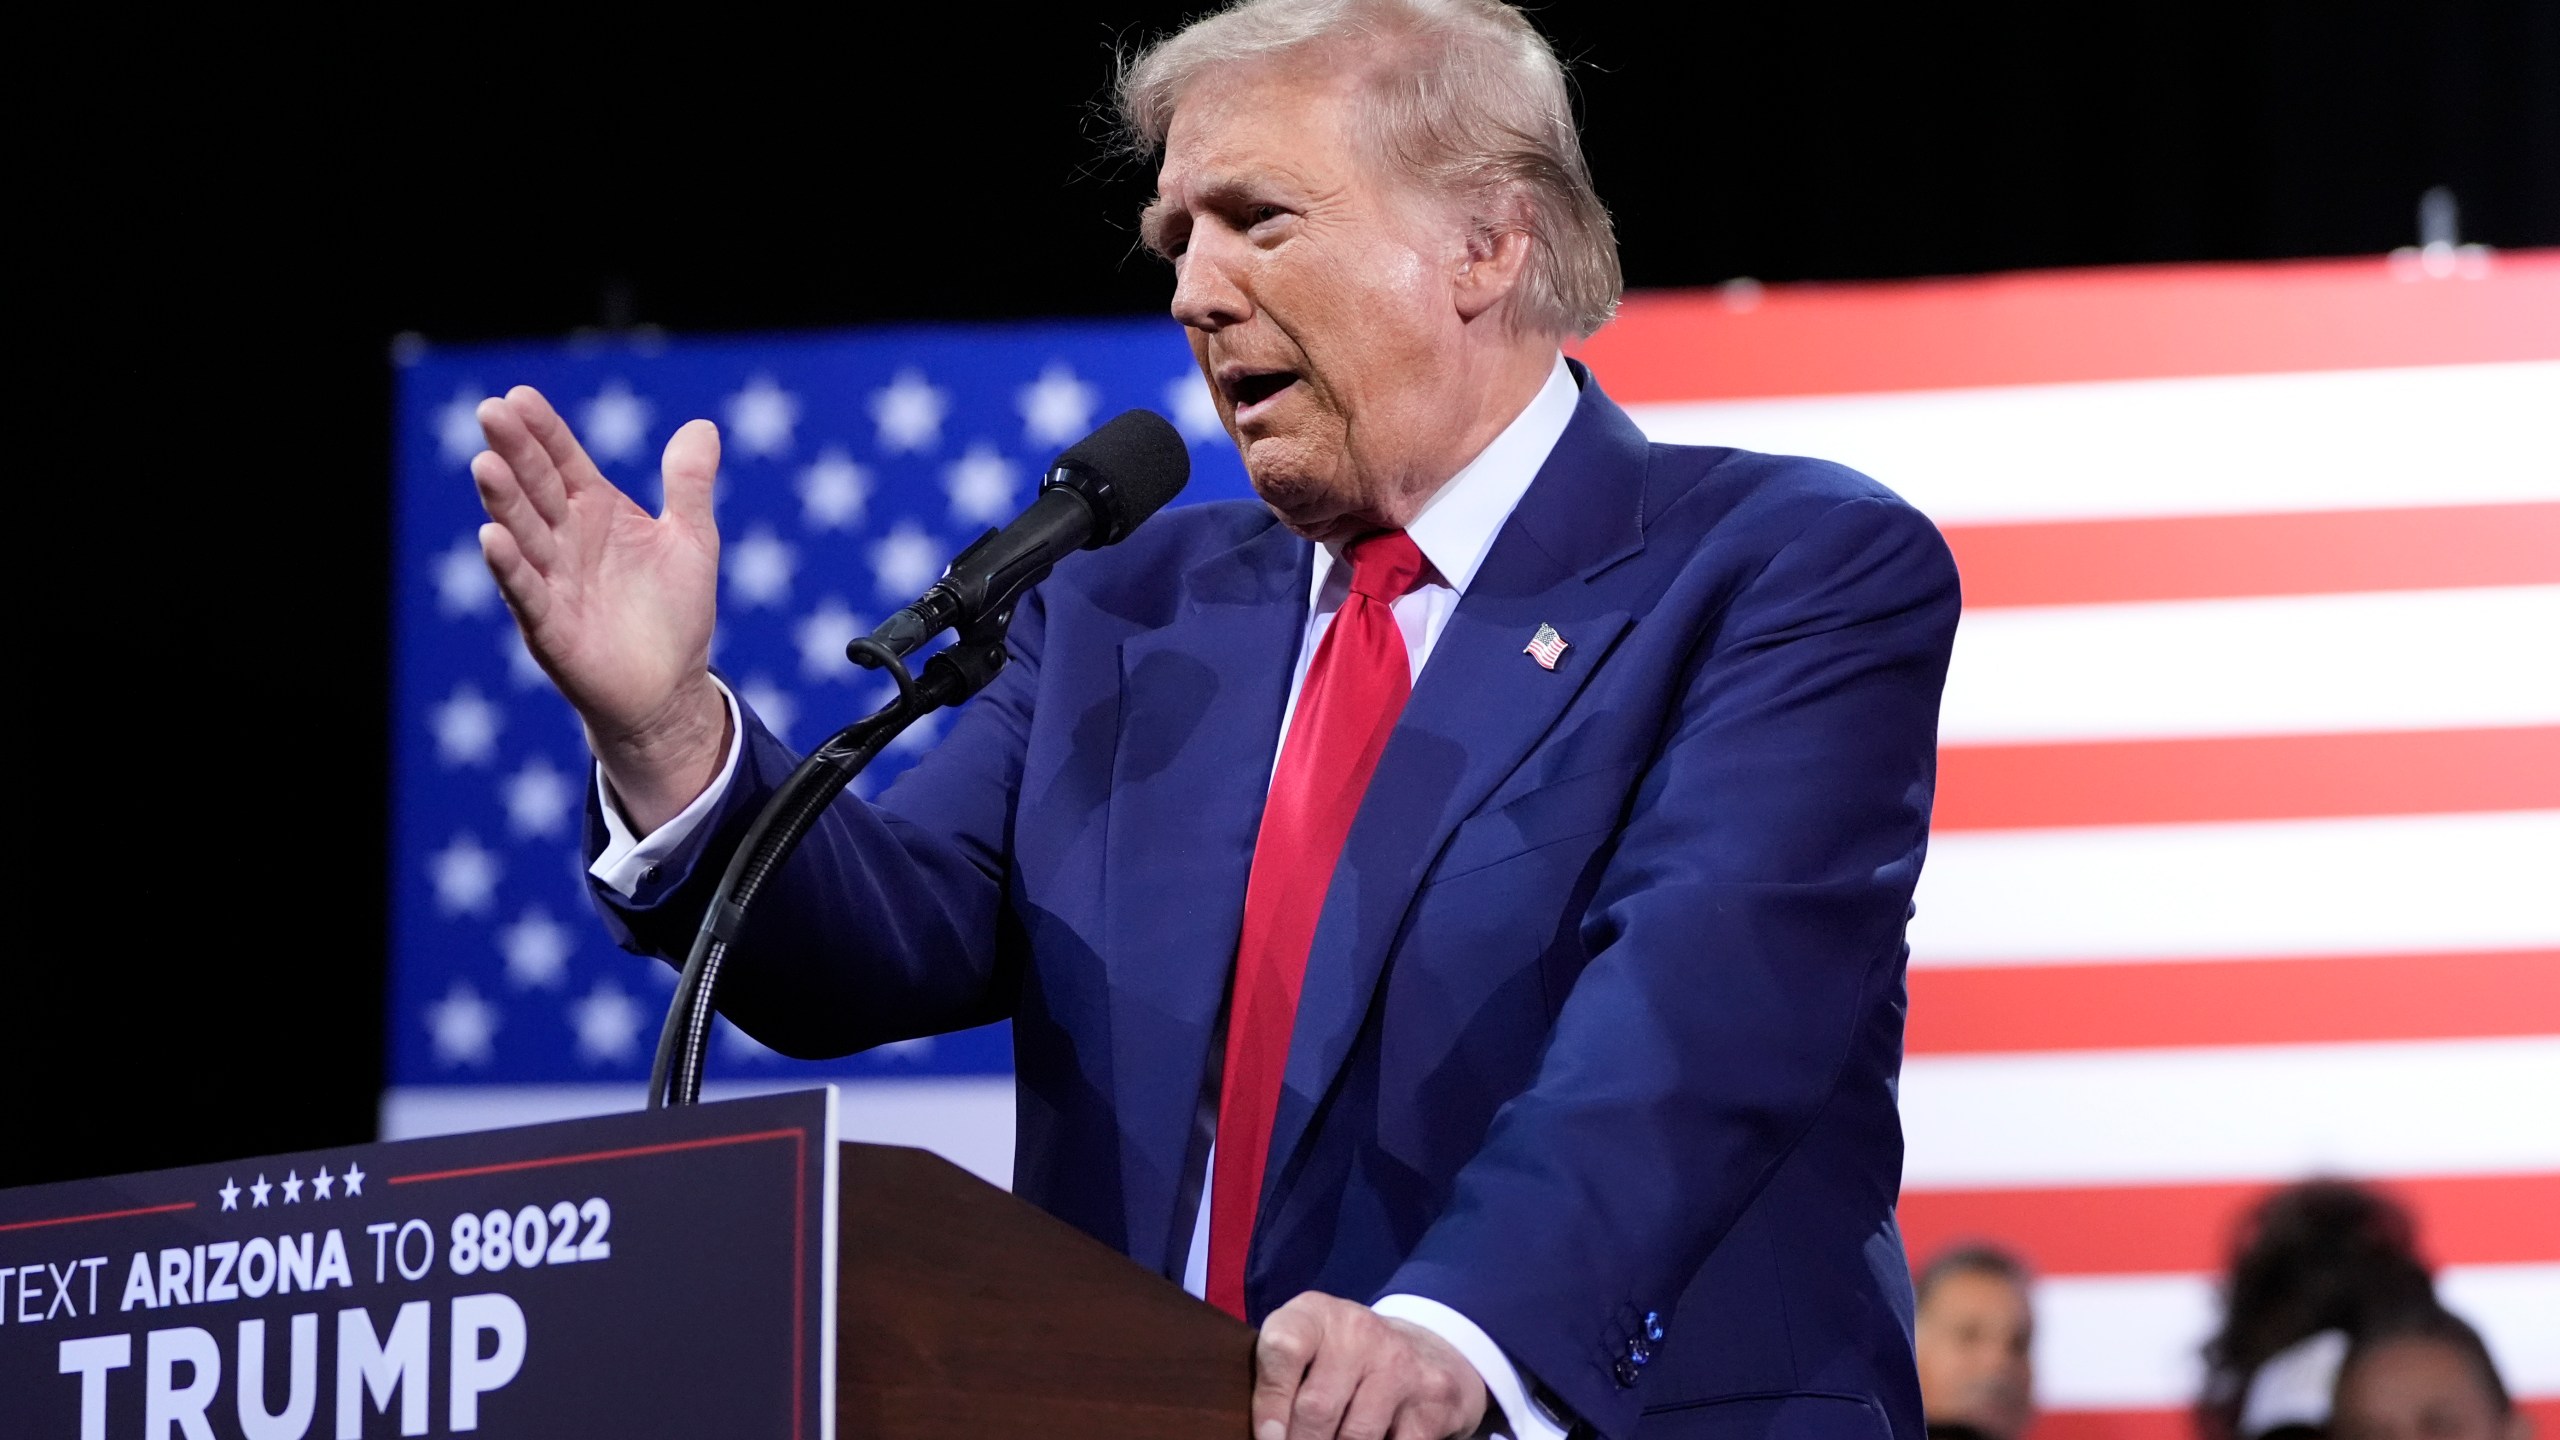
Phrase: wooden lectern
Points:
(963, 1312)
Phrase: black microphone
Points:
(1094, 495)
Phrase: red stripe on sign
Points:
(2114, 324)
(2188, 557)
(2296, 1001)
(2180, 1424)
(2253, 777)
(2178, 1229)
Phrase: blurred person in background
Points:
(2313, 1266)
(1975, 1337)
(2424, 1375)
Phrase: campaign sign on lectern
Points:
(667, 1274)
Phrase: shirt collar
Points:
(1456, 526)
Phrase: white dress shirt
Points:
(1454, 532)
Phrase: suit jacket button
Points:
(1640, 1353)
(1627, 1374)
(1653, 1326)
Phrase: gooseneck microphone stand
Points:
(951, 676)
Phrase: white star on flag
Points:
(258, 1193)
(833, 492)
(616, 423)
(354, 1179)
(909, 412)
(608, 1024)
(321, 1182)
(761, 417)
(463, 1025)
(466, 727)
(760, 568)
(464, 873)
(980, 484)
(292, 1188)
(464, 585)
(537, 949)
(230, 1193)
(772, 704)
(905, 561)
(458, 426)
(538, 798)
(822, 635)
(1194, 407)
(1057, 408)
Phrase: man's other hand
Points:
(1327, 1368)
(615, 604)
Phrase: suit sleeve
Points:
(889, 921)
(1745, 930)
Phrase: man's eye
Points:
(1262, 213)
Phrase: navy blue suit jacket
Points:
(1603, 1016)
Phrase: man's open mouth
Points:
(1249, 391)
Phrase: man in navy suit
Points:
(1452, 911)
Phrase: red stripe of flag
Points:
(2179, 1425)
(2291, 1001)
(2247, 777)
(2184, 557)
(2040, 329)
(2156, 1229)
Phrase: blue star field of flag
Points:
(854, 465)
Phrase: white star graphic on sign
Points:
(772, 704)
(1195, 410)
(760, 568)
(523, 671)
(354, 1179)
(833, 492)
(538, 798)
(321, 1182)
(909, 412)
(608, 1024)
(537, 948)
(822, 635)
(466, 727)
(458, 426)
(980, 484)
(258, 1193)
(616, 423)
(1057, 408)
(905, 561)
(464, 873)
(292, 1188)
(462, 1024)
(463, 583)
(761, 417)
(230, 1193)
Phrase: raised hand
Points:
(616, 605)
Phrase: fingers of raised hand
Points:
(517, 580)
(536, 474)
(690, 465)
(502, 494)
(552, 433)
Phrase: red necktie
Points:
(1353, 692)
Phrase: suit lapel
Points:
(1480, 706)
(1201, 706)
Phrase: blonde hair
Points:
(1461, 97)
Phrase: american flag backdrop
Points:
(2247, 857)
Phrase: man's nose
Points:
(1207, 293)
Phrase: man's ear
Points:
(1495, 264)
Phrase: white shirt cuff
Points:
(629, 860)
(1526, 1418)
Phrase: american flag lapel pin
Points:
(1546, 647)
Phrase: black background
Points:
(236, 225)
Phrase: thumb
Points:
(691, 463)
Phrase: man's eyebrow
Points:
(1225, 193)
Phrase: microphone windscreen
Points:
(1128, 470)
